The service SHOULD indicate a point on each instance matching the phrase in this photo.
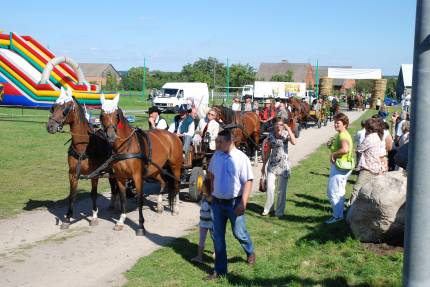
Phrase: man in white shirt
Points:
(236, 105)
(183, 126)
(399, 130)
(406, 103)
(207, 125)
(378, 104)
(154, 119)
(230, 180)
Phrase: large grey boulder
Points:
(378, 213)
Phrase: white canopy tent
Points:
(356, 74)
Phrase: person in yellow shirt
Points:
(341, 165)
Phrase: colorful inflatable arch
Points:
(30, 75)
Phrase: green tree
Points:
(241, 75)
(391, 87)
(287, 77)
(364, 86)
(209, 71)
(133, 80)
(205, 70)
(156, 79)
(111, 82)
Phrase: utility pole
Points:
(227, 84)
(317, 82)
(417, 230)
(213, 89)
(144, 79)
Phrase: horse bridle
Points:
(66, 111)
(114, 126)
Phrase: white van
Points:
(282, 90)
(175, 94)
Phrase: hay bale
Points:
(378, 91)
(326, 86)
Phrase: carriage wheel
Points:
(197, 179)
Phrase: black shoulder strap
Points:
(141, 137)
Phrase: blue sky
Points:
(170, 34)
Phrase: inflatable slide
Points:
(31, 75)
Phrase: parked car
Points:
(390, 102)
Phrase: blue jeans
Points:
(220, 213)
(186, 144)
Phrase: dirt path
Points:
(35, 252)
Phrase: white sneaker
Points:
(333, 220)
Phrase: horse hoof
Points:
(65, 225)
(118, 227)
(94, 222)
(140, 232)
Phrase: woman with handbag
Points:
(341, 165)
(277, 166)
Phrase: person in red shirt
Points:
(267, 114)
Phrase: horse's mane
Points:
(81, 112)
(228, 113)
(122, 118)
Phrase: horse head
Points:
(61, 111)
(111, 117)
(220, 117)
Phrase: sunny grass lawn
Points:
(299, 250)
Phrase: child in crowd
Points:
(205, 224)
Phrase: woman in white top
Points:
(236, 104)
(207, 125)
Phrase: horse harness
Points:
(141, 136)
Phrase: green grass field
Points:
(299, 250)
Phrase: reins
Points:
(141, 137)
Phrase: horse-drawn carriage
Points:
(318, 117)
(125, 152)
(194, 174)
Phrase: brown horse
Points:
(359, 102)
(155, 154)
(300, 110)
(246, 127)
(87, 151)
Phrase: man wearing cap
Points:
(155, 121)
(183, 126)
(267, 114)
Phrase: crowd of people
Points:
(230, 175)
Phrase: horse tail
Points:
(171, 187)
